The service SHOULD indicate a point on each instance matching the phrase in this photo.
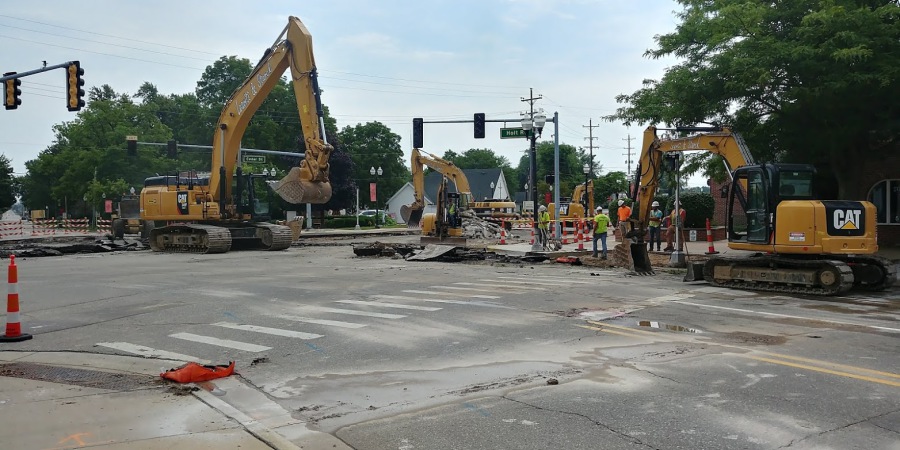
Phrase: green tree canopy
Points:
(807, 81)
(370, 145)
(483, 158)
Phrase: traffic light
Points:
(479, 125)
(74, 92)
(132, 145)
(418, 132)
(549, 179)
(172, 149)
(11, 92)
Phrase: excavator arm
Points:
(308, 183)
(730, 146)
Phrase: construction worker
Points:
(653, 222)
(544, 226)
(600, 224)
(676, 223)
(623, 214)
(453, 215)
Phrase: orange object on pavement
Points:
(193, 372)
(13, 326)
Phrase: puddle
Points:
(665, 326)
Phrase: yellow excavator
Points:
(804, 245)
(575, 210)
(210, 214)
(490, 210)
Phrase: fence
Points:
(10, 229)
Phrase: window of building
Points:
(886, 197)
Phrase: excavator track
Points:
(190, 238)
(780, 274)
(273, 237)
(871, 273)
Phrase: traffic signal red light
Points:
(74, 92)
(479, 125)
(11, 92)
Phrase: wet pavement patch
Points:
(665, 326)
(752, 338)
(79, 377)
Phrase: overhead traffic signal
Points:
(11, 92)
(172, 149)
(132, 145)
(74, 92)
(418, 132)
(479, 125)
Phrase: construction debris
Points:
(383, 249)
(68, 245)
(477, 228)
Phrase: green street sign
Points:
(513, 133)
(254, 159)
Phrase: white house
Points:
(404, 196)
(485, 184)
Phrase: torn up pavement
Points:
(68, 245)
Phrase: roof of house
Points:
(479, 181)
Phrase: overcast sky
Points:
(387, 60)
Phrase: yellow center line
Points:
(845, 366)
(828, 371)
(612, 331)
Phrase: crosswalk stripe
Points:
(228, 343)
(148, 352)
(389, 305)
(267, 330)
(494, 283)
(452, 294)
(354, 312)
(543, 278)
(329, 323)
(505, 289)
(433, 300)
(535, 281)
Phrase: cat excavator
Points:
(490, 210)
(210, 214)
(803, 245)
(580, 206)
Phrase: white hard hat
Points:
(654, 204)
(598, 209)
(542, 208)
(621, 202)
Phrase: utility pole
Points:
(533, 172)
(629, 138)
(590, 126)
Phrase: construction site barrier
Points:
(13, 326)
(43, 227)
(104, 226)
(76, 225)
(12, 228)
(503, 233)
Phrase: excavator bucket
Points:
(411, 215)
(295, 190)
(640, 258)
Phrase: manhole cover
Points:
(78, 377)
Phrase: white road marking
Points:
(434, 300)
(494, 283)
(452, 294)
(551, 278)
(725, 291)
(329, 323)
(549, 281)
(814, 319)
(150, 352)
(354, 312)
(505, 289)
(389, 305)
(267, 330)
(238, 345)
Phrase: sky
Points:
(388, 61)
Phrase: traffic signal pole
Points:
(74, 99)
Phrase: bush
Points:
(699, 206)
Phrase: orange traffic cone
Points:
(565, 237)
(532, 232)
(502, 232)
(13, 327)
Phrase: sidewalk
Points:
(71, 400)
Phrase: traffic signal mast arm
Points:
(74, 100)
(722, 142)
(309, 182)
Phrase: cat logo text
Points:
(847, 219)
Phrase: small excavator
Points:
(580, 206)
(491, 210)
(802, 245)
(210, 214)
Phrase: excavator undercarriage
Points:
(206, 238)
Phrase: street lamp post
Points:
(585, 202)
(374, 172)
(535, 122)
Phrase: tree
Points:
(8, 184)
(374, 145)
(805, 81)
(607, 185)
(483, 158)
(570, 174)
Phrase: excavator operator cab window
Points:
(748, 207)
(795, 185)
